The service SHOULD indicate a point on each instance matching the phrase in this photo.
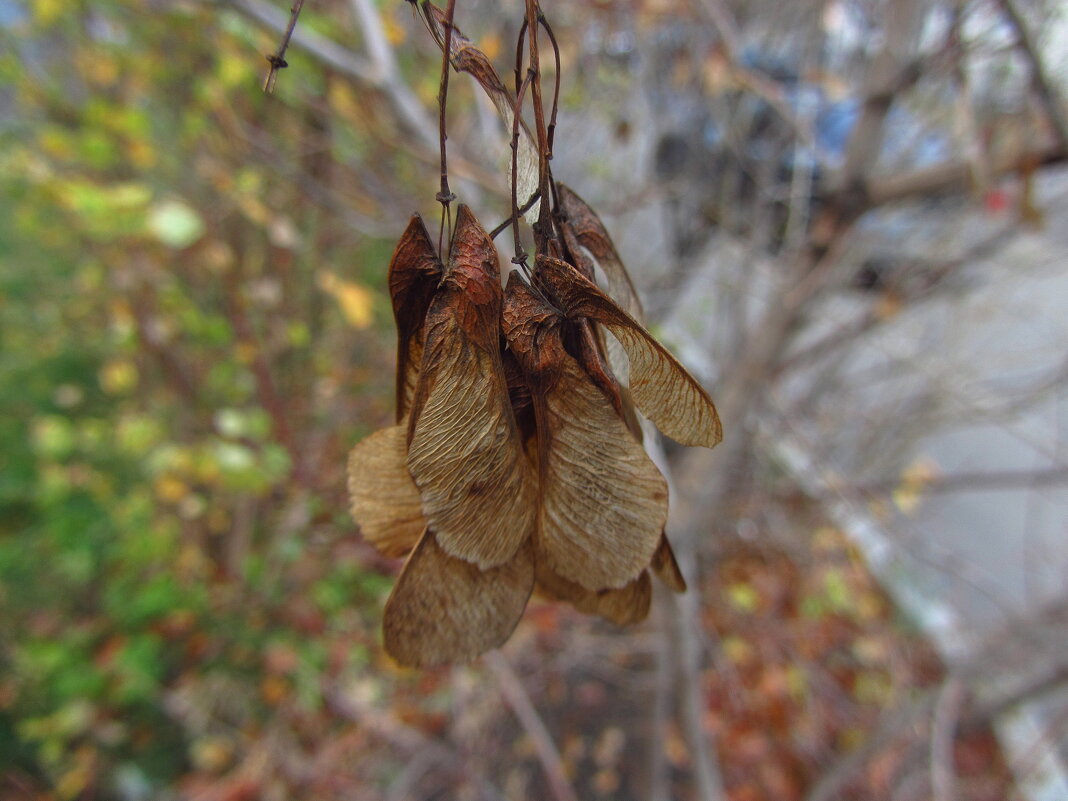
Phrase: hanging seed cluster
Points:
(516, 464)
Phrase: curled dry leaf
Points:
(414, 274)
(464, 450)
(602, 503)
(385, 501)
(662, 389)
(624, 606)
(444, 609)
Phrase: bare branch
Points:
(944, 721)
(519, 701)
(277, 59)
(1040, 79)
(409, 110)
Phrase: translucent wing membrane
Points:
(444, 609)
(661, 388)
(414, 274)
(464, 452)
(385, 501)
(582, 224)
(603, 503)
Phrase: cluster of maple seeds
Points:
(516, 461)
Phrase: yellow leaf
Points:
(491, 46)
(170, 489)
(118, 377)
(395, 32)
(47, 11)
(914, 481)
(355, 300)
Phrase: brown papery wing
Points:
(661, 388)
(624, 606)
(414, 274)
(589, 231)
(464, 450)
(666, 568)
(385, 501)
(444, 609)
(602, 503)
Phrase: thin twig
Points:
(520, 256)
(551, 133)
(445, 195)
(277, 59)
(409, 110)
(522, 210)
(527, 715)
(543, 226)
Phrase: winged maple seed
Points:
(516, 462)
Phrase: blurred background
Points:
(849, 218)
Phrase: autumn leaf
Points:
(355, 300)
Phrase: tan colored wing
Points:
(603, 503)
(666, 568)
(464, 452)
(414, 275)
(385, 501)
(661, 388)
(587, 229)
(444, 609)
(624, 606)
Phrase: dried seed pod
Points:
(582, 228)
(464, 449)
(662, 389)
(602, 502)
(414, 274)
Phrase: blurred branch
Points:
(880, 89)
(950, 177)
(385, 725)
(944, 721)
(973, 482)
(277, 60)
(1020, 663)
(725, 24)
(378, 73)
(1040, 79)
(519, 701)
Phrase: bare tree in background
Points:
(846, 216)
(819, 196)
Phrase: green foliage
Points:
(177, 389)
